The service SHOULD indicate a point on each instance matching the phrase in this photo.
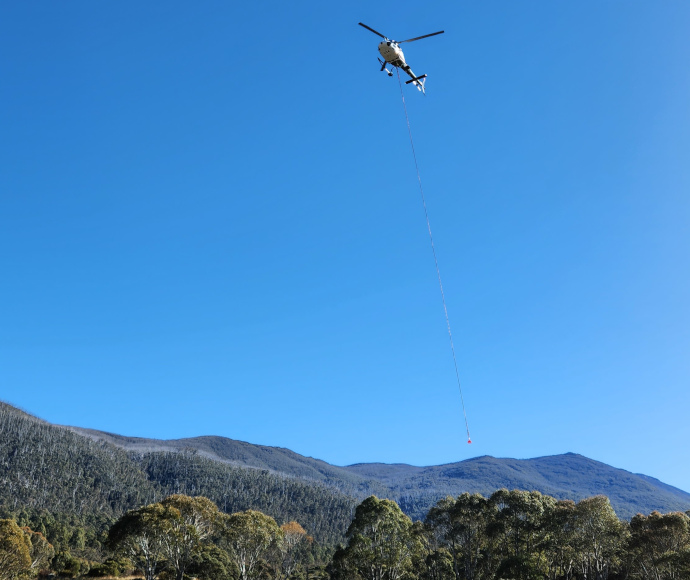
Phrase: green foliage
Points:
(323, 512)
(69, 566)
(659, 546)
(343, 566)
(527, 535)
(86, 480)
(186, 522)
(518, 531)
(77, 500)
(51, 468)
(599, 537)
(461, 526)
(62, 529)
(41, 551)
(213, 563)
(382, 541)
(512, 534)
(292, 552)
(249, 537)
(438, 565)
(140, 535)
(112, 567)
(567, 476)
(15, 551)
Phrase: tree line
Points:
(512, 535)
(509, 535)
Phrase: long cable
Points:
(433, 250)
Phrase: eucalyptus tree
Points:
(140, 536)
(249, 537)
(438, 565)
(660, 546)
(518, 530)
(382, 541)
(599, 538)
(15, 551)
(188, 523)
(290, 549)
(170, 534)
(41, 550)
(460, 524)
(559, 544)
(212, 563)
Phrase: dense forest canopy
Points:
(511, 534)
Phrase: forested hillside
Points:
(47, 468)
(79, 501)
(324, 512)
(81, 472)
(247, 455)
(416, 489)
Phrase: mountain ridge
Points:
(118, 472)
(416, 488)
(246, 455)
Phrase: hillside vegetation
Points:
(44, 467)
(81, 472)
(568, 476)
(416, 489)
(76, 502)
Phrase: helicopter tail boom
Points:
(414, 79)
(417, 81)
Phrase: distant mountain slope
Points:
(242, 454)
(46, 467)
(416, 489)
(71, 469)
(568, 476)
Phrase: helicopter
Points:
(392, 54)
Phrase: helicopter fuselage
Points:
(392, 53)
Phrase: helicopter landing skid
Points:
(383, 67)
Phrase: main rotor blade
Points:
(419, 37)
(374, 31)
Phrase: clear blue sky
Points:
(210, 224)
